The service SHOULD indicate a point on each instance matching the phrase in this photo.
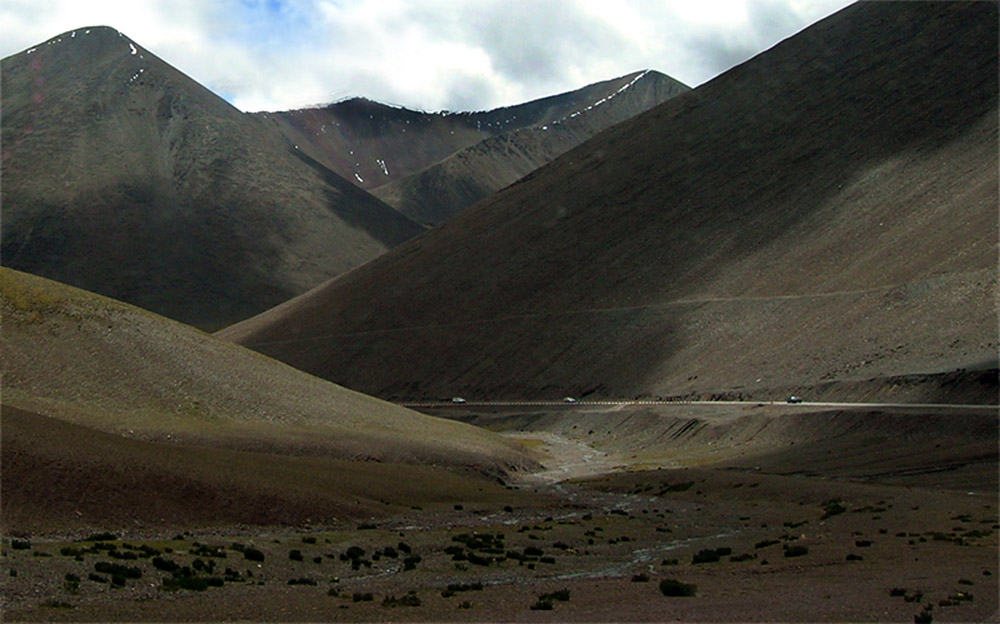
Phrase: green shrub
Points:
(561, 595)
(308, 540)
(705, 556)
(190, 583)
(19, 544)
(164, 564)
(363, 597)
(97, 578)
(796, 551)
(295, 554)
(673, 587)
(115, 569)
(354, 552)
(253, 554)
(410, 563)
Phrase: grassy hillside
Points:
(93, 386)
(824, 214)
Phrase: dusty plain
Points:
(803, 529)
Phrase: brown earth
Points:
(822, 216)
(872, 551)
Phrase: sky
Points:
(457, 55)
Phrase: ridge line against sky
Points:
(423, 54)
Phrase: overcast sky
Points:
(426, 54)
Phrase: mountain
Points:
(430, 166)
(106, 404)
(820, 218)
(125, 177)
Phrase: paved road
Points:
(807, 404)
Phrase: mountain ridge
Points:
(150, 159)
(789, 224)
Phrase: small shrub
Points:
(863, 543)
(796, 551)
(106, 537)
(705, 556)
(673, 587)
(897, 591)
(669, 562)
(542, 605)
(363, 597)
(189, 583)
(295, 554)
(164, 564)
(924, 617)
(97, 578)
(854, 557)
(308, 540)
(253, 554)
(642, 577)
(302, 581)
(832, 508)
(56, 604)
(410, 563)
(18, 544)
(115, 569)
(562, 596)
(465, 604)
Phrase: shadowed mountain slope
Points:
(823, 213)
(125, 177)
(444, 189)
(106, 375)
(430, 166)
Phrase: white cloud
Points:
(431, 54)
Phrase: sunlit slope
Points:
(123, 176)
(822, 214)
(104, 365)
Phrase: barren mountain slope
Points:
(444, 189)
(125, 177)
(106, 375)
(373, 144)
(824, 212)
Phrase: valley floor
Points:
(865, 538)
